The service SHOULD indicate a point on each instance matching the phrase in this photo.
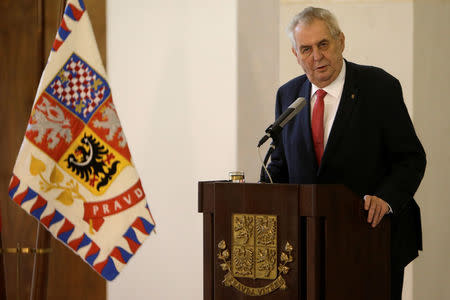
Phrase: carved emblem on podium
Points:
(254, 254)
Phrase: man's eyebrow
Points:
(325, 40)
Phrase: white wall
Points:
(172, 70)
(258, 65)
(431, 114)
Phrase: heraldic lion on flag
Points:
(74, 171)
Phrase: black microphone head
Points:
(297, 105)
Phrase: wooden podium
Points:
(286, 241)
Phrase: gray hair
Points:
(307, 16)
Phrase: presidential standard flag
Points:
(74, 171)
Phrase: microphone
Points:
(275, 129)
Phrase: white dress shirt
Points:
(331, 101)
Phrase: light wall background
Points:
(432, 120)
(172, 69)
(194, 84)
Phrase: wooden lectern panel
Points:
(346, 257)
(251, 199)
(337, 255)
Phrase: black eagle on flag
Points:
(90, 162)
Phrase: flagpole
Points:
(38, 289)
(39, 280)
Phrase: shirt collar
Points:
(335, 88)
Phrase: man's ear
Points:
(294, 52)
(342, 40)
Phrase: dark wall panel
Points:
(27, 31)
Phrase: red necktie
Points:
(317, 125)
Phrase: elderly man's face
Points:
(318, 53)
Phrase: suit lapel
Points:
(305, 123)
(348, 100)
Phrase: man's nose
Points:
(317, 54)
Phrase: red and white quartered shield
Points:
(74, 171)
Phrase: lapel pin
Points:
(353, 96)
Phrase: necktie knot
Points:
(320, 94)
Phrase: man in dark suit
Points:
(355, 130)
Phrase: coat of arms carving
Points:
(254, 254)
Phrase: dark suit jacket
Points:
(372, 148)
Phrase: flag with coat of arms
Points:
(74, 171)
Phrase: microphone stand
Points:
(271, 149)
(274, 130)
